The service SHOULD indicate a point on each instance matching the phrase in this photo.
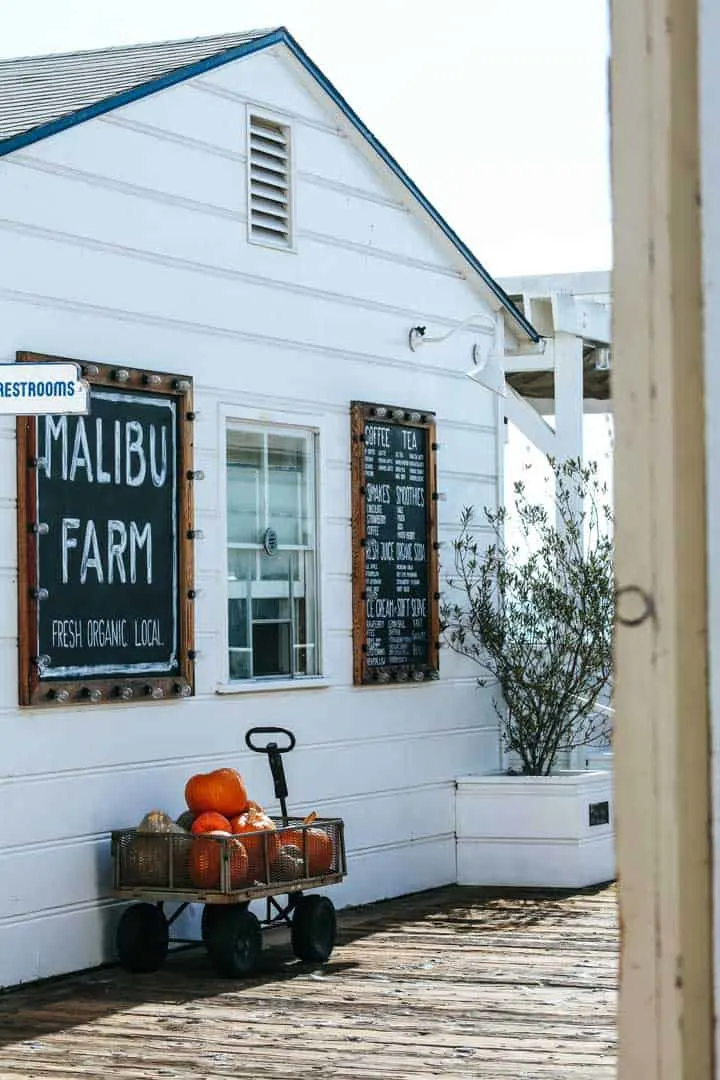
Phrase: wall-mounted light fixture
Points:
(488, 371)
(417, 335)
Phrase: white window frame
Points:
(284, 122)
(252, 419)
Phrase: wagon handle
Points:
(274, 753)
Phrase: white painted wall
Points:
(709, 35)
(124, 240)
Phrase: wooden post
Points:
(661, 740)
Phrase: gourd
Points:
(157, 821)
(222, 790)
(252, 820)
(147, 855)
(288, 864)
(318, 844)
(255, 820)
(321, 851)
(206, 855)
(206, 860)
(210, 821)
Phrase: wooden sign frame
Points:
(115, 686)
(362, 413)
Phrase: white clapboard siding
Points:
(125, 239)
(147, 229)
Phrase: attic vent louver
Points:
(269, 186)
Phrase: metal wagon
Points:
(225, 874)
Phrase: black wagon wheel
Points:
(142, 938)
(207, 919)
(314, 928)
(233, 940)
(210, 913)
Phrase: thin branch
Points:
(538, 621)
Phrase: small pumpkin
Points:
(222, 790)
(206, 860)
(256, 821)
(157, 821)
(147, 856)
(210, 821)
(319, 845)
(288, 865)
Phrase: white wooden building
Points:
(135, 232)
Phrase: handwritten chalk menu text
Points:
(105, 527)
(395, 612)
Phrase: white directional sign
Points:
(33, 389)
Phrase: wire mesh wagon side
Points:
(226, 870)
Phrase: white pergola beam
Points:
(591, 406)
(532, 362)
(529, 422)
(586, 319)
(569, 395)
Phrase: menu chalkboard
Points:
(395, 610)
(103, 522)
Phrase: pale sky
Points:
(497, 109)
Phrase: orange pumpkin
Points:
(320, 848)
(206, 861)
(222, 790)
(256, 821)
(210, 821)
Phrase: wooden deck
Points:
(457, 982)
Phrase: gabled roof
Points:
(38, 90)
(41, 96)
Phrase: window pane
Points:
(277, 567)
(245, 486)
(241, 568)
(271, 649)
(306, 658)
(289, 472)
(240, 664)
(238, 624)
(269, 608)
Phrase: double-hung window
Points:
(271, 553)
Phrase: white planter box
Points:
(548, 831)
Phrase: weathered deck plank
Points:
(457, 983)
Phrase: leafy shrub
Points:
(537, 615)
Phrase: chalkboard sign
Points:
(395, 564)
(104, 538)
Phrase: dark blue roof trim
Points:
(199, 67)
(162, 82)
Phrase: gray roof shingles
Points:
(40, 89)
